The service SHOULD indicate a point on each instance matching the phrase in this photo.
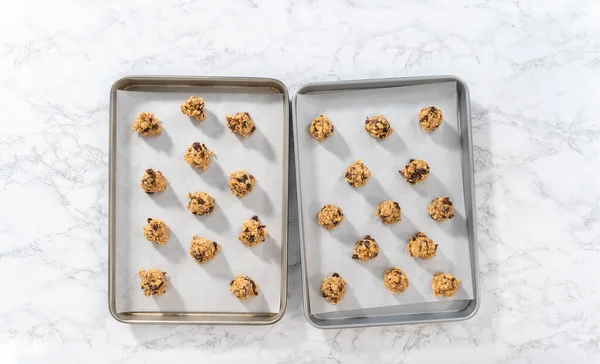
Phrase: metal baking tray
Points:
(225, 88)
(414, 313)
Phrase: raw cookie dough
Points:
(378, 127)
(389, 212)
(156, 231)
(430, 118)
(330, 216)
(146, 124)
(241, 183)
(198, 156)
(333, 288)
(421, 246)
(357, 174)
(241, 123)
(365, 249)
(201, 203)
(203, 250)
(395, 280)
(441, 209)
(154, 282)
(194, 107)
(444, 284)
(153, 181)
(253, 233)
(415, 171)
(321, 127)
(243, 287)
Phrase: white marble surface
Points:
(533, 68)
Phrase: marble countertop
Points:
(533, 68)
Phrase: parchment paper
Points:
(194, 287)
(322, 166)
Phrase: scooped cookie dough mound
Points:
(415, 171)
(146, 124)
(357, 174)
(421, 246)
(241, 123)
(153, 181)
(333, 288)
(156, 231)
(321, 128)
(153, 282)
(444, 284)
(198, 156)
(365, 249)
(194, 107)
(378, 127)
(243, 287)
(430, 118)
(389, 212)
(441, 209)
(241, 183)
(201, 203)
(330, 216)
(203, 250)
(395, 280)
(253, 233)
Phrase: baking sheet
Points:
(321, 176)
(194, 287)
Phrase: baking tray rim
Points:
(227, 81)
(379, 83)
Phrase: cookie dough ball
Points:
(395, 280)
(378, 127)
(330, 216)
(365, 249)
(357, 174)
(156, 231)
(241, 123)
(153, 181)
(203, 250)
(415, 171)
(389, 212)
(154, 282)
(198, 156)
(194, 107)
(321, 127)
(441, 209)
(146, 124)
(253, 233)
(243, 287)
(444, 284)
(201, 203)
(421, 246)
(333, 288)
(430, 118)
(241, 183)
